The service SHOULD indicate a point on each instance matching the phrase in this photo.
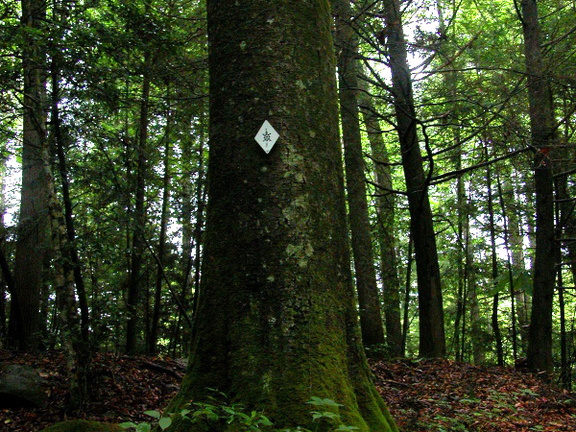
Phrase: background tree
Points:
(542, 125)
(431, 325)
(385, 203)
(365, 273)
(33, 229)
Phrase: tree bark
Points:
(521, 300)
(276, 321)
(385, 210)
(432, 337)
(539, 355)
(153, 334)
(365, 273)
(135, 289)
(494, 273)
(74, 328)
(6, 282)
(58, 144)
(32, 242)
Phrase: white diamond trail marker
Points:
(266, 136)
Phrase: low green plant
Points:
(163, 422)
(221, 413)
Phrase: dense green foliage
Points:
(472, 117)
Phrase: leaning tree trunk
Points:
(33, 226)
(368, 299)
(539, 356)
(276, 321)
(432, 337)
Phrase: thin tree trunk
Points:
(539, 356)
(494, 262)
(468, 275)
(515, 243)
(566, 233)
(368, 299)
(385, 205)
(511, 282)
(74, 329)
(59, 145)
(75, 351)
(460, 307)
(432, 337)
(201, 197)
(565, 375)
(138, 244)
(193, 215)
(153, 335)
(6, 282)
(407, 290)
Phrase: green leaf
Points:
(326, 414)
(164, 422)
(153, 413)
(229, 410)
(127, 425)
(264, 421)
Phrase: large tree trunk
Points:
(365, 273)
(276, 321)
(33, 227)
(539, 356)
(432, 337)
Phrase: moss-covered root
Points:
(83, 426)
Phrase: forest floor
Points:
(423, 395)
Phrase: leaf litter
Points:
(422, 395)
(443, 395)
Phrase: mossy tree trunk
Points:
(276, 321)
